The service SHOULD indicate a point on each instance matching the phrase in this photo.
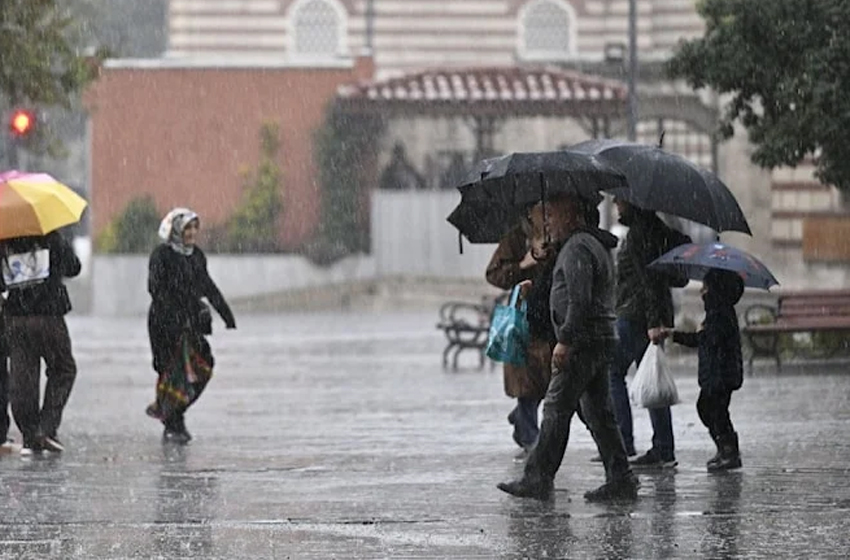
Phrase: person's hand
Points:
(658, 334)
(560, 355)
(527, 262)
(525, 288)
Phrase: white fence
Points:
(411, 237)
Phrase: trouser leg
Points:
(61, 373)
(24, 372)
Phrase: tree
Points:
(135, 230)
(39, 60)
(786, 65)
(253, 226)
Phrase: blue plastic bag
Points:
(508, 338)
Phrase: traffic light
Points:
(22, 123)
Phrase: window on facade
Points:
(318, 29)
(547, 29)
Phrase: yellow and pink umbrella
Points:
(36, 204)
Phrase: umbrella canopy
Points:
(669, 183)
(696, 259)
(36, 204)
(498, 191)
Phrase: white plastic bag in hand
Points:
(653, 386)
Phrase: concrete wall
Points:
(119, 283)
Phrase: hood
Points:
(725, 289)
(608, 239)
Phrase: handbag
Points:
(507, 341)
(653, 386)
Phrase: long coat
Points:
(532, 379)
(176, 283)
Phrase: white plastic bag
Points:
(653, 386)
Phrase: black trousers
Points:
(713, 410)
(582, 384)
(32, 339)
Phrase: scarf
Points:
(172, 226)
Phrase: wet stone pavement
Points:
(339, 436)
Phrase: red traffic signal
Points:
(22, 122)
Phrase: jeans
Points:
(582, 383)
(632, 345)
(524, 419)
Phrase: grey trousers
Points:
(32, 339)
(583, 382)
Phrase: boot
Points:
(621, 490)
(538, 489)
(730, 456)
(717, 455)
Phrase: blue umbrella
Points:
(696, 259)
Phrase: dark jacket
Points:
(176, 284)
(644, 295)
(719, 348)
(51, 296)
(583, 289)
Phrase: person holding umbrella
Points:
(724, 271)
(35, 259)
(582, 316)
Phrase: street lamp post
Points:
(632, 116)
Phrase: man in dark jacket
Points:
(643, 302)
(583, 320)
(35, 316)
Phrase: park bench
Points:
(823, 315)
(466, 326)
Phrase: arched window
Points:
(317, 29)
(547, 30)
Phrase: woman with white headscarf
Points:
(178, 320)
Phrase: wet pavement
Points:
(339, 436)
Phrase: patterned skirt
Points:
(182, 383)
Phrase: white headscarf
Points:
(172, 226)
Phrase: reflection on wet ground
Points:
(340, 437)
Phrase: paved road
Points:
(339, 436)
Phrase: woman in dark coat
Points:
(178, 321)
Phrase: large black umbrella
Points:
(498, 191)
(669, 183)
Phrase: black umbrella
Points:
(669, 183)
(696, 260)
(499, 191)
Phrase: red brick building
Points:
(184, 132)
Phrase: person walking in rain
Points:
(720, 369)
(643, 302)
(178, 321)
(5, 442)
(34, 269)
(521, 256)
(583, 320)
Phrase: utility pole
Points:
(632, 117)
(370, 25)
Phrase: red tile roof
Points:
(479, 86)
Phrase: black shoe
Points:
(524, 488)
(652, 461)
(179, 438)
(730, 456)
(31, 447)
(621, 490)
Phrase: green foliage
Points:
(134, 230)
(342, 145)
(253, 226)
(786, 64)
(39, 62)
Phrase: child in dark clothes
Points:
(720, 363)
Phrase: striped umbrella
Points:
(36, 204)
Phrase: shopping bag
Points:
(508, 338)
(653, 386)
